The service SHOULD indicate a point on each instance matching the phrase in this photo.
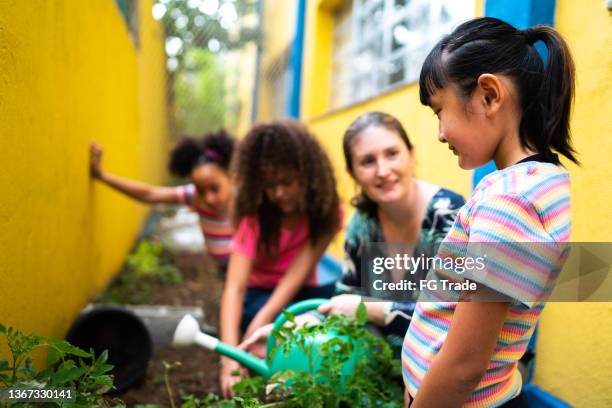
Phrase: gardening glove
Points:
(95, 158)
(227, 379)
(341, 305)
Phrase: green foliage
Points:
(188, 21)
(245, 392)
(68, 367)
(149, 264)
(198, 35)
(375, 381)
(199, 93)
(151, 259)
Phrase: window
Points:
(379, 44)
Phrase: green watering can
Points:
(188, 332)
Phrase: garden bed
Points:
(198, 371)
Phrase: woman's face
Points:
(282, 187)
(213, 185)
(382, 164)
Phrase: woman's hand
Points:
(95, 159)
(341, 305)
(226, 377)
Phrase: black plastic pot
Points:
(125, 337)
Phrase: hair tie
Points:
(530, 35)
(212, 154)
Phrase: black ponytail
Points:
(215, 147)
(549, 113)
(546, 91)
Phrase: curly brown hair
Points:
(284, 145)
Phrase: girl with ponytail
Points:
(206, 162)
(496, 99)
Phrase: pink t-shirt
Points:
(267, 270)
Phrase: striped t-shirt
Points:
(216, 228)
(525, 203)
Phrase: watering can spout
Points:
(188, 332)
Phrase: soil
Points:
(198, 371)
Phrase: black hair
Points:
(361, 201)
(214, 147)
(545, 90)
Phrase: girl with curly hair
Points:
(207, 163)
(286, 211)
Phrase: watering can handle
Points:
(295, 309)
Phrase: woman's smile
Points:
(387, 185)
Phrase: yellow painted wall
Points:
(574, 355)
(70, 73)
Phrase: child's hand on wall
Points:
(95, 159)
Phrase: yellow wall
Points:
(574, 355)
(69, 73)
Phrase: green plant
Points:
(149, 264)
(167, 368)
(249, 387)
(68, 367)
(374, 383)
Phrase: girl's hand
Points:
(341, 305)
(257, 322)
(256, 342)
(226, 377)
(95, 157)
